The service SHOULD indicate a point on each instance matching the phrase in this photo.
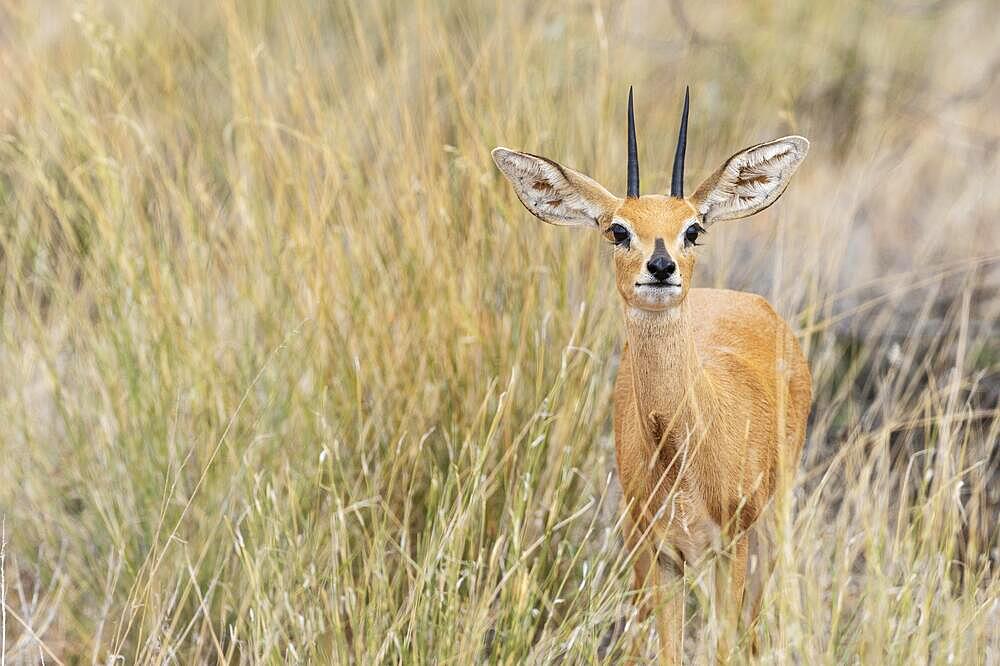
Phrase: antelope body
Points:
(713, 392)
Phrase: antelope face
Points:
(654, 240)
(654, 236)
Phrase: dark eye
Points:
(619, 234)
(691, 235)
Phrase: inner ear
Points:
(554, 193)
(750, 181)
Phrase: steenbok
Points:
(713, 392)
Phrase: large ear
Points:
(554, 193)
(751, 180)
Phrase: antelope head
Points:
(654, 236)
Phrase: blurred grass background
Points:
(289, 375)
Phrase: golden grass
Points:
(289, 375)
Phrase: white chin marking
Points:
(657, 297)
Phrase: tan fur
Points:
(713, 392)
(711, 403)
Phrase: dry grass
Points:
(289, 375)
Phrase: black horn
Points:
(677, 181)
(633, 152)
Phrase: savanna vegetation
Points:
(288, 375)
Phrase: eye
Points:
(692, 233)
(619, 234)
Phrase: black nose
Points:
(661, 267)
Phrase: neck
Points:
(667, 377)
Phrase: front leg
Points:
(730, 579)
(760, 564)
(668, 601)
(658, 581)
